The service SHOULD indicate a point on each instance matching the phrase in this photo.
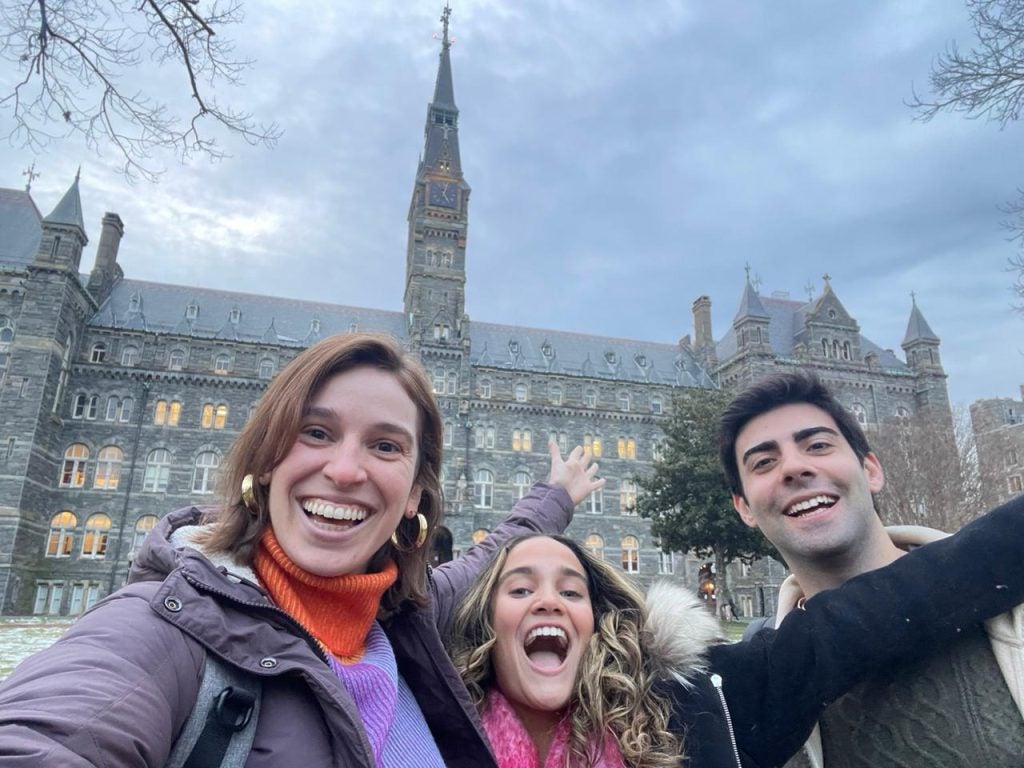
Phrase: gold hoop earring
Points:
(249, 495)
(421, 537)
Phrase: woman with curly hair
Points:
(570, 668)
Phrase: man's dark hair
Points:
(774, 392)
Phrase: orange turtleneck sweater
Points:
(336, 610)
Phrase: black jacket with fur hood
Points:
(754, 703)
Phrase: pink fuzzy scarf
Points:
(514, 749)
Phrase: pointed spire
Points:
(750, 303)
(918, 328)
(69, 209)
(444, 91)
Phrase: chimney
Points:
(703, 339)
(106, 271)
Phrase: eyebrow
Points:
(387, 426)
(527, 570)
(798, 437)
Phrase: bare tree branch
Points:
(77, 58)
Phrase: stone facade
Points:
(998, 426)
(120, 397)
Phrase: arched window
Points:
(590, 397)
(522, 440)
(111, 412)
(656, 404)
(267, 368)
(126, 409)
(824, 347)
(521, 482)
(6, 337)
(595, 502)
(846, 350)
(94, 542)
(158, 468)
(595, 546)
(108, 467)
(221, 418)
(176, 359)
(65, 372)
(85, 407)
(62, 534)
(483, 488)
(592, 445)
(130, 356)
(623, 400)
(630, 554)
(658, 448)
(479, 535)
(555, 395)
(626, 448)
(142, 528)
(627, 497)
(98, 353)
(485, 389)
(206, 420)
(522, 393)
(72, 473)
(222, 364)
(205, 472)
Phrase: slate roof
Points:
(786, 321)
(918, 328)
(69, 209)
(21, 225)
(163, 308)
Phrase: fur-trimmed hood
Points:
(678, 631)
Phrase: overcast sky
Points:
(625, 158)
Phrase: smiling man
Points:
(800, 469)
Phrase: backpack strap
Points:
(220, 731)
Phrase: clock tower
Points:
(435, 269)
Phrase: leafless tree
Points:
(987, 81)
(77, 60)
(931, 470)
(1014, 224)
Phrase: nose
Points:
(547, 600)
(795, 465)
(344, 463)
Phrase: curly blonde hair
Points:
(615, 685)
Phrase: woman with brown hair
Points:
(311, 576)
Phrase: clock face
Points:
(443, 193)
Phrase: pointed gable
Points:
(830, 310)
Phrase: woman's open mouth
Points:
(546, 647)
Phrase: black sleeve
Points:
(778, 682)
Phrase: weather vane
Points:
(446, 42)
(809, 288)
(32, 176)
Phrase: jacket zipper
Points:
(716, 681)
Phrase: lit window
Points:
(221, 419)
(206, 420)
(98, 353)
(479, 535)
(483, 488)
(626, 448)
(176, 359)
(623, 400)
(656, 405)
(627, 497)
(205, 472)
(595, 546)
(160, 412)
(521, 482)
(222, 364)
(630, 554)
(590, 398)
(267, 368)
(94, 541)
(142, 528)
(158, 468)
(595, 502)
(592, 445)
(556, 395)
(522, 440)
(130, 356)
(173, 414)
(108, 468)
(521, 393)
(72, 474)
(62, 534)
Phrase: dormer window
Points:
(234, 315)
(611, 357)
(513, 347)
(314, 325)
(546, 350)
(134, 303)
(192, 311)
(641, 360)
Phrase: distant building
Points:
(998, 426)
(119, 397)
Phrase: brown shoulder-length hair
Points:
(273, 427)
(616, 685)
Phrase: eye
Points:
(762, 463)
(315, 433)
(388, 446)
(519, 592)
(819, 445)
(572, 594)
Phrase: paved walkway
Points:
(21, 636)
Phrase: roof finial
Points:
(826, 277)
(746, 268)
(913, 298)
(810, 291)
(32, 176)
(445, 15)
(78, 172)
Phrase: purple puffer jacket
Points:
(117, 688)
